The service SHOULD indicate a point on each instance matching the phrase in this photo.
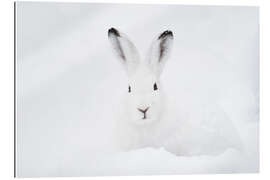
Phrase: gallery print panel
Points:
(136, 89)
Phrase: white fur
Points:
(161, 127)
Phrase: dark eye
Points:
(155, 87)
(129, 89)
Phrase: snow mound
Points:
(149, 161)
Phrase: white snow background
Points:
(69, 84)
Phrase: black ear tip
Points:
(165, 34)
(113, 31)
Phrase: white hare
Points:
(146, 119)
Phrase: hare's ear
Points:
(159, 51)
(124, 49)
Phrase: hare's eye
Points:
(129, 89)
(155, 87)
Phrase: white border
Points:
(7, 77)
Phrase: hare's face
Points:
(144, 97)
(145, 102)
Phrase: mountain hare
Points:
(146, 118)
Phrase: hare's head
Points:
(145, 98)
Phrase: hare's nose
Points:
(143, 110)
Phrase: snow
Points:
(150, 161)
(69, 86)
